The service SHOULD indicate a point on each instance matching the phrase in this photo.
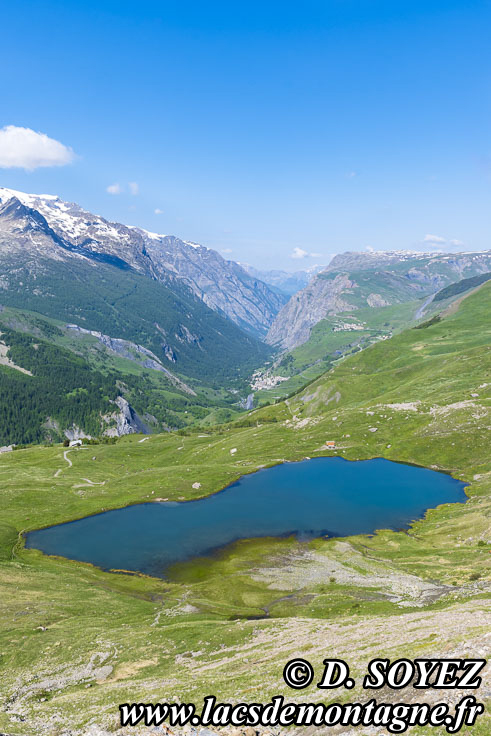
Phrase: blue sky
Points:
(262, 129)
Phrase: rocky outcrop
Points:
(75, 433)
(376, 300)
(125, 421)
(137, 353)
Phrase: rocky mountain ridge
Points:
(373, 279)
(223, 285)
(110, 290)
(45, 224)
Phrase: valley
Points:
(170, 335)
(227, 623)
(177, 389)
(245, 369)
(344, 333)
(353, 281)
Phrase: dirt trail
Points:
(65, 457)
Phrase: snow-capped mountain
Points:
(46, 224)
(77, 271)
(76, 229)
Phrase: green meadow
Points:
(347, 333)
(76, 641)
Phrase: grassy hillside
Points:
(167, 319)
(53, 378)
(337, 337)
(65, 626)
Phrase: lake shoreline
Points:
(341, 519)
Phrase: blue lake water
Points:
(310, 498)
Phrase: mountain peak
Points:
(222, 285)
(6, 194)
(21, 217)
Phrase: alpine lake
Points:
(310, 498)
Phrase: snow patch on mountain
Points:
(222, 285)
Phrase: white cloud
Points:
(117, 188)
(440, 242)
(157, 211)
(370, 249)
(436, 239)
(299, 253)
(23, 148)
(114, 188)
(226, 250)
(351, 174)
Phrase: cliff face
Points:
(223, 285)
(320, 298)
